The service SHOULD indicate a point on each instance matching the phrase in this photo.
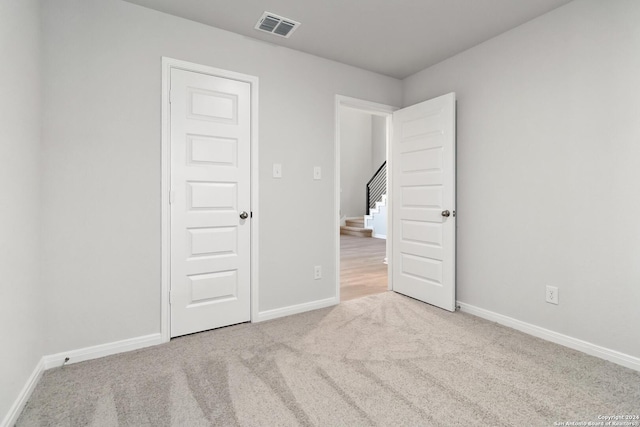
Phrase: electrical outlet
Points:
(552, 295)
(317, 272)
(317, 172)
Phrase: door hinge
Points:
(172, 197)
(170, 297)
(170, 96)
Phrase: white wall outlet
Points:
(317, 172)
(277, 170)
(317, 272)
(552, 295)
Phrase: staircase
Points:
(376, 203)
(376, 221)
(355, 227)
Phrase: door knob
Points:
(446, 214)
(244, 215)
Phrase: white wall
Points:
(379, 222)
(355, 161)
(102, 163)
(21, 301)
(549, 170)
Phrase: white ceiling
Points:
(392, 37)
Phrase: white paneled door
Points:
(423, 220)
(210, 119)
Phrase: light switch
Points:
(277, 170)
(317, 172)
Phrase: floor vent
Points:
(275, 24)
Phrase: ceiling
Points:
(396, 38)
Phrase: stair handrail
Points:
(378, 182)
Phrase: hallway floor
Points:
(362, 270)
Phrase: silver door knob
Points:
(244, 215)
(446, 214)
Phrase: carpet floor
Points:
(380, 360)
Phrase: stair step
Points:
(355, 231)
(355, 222)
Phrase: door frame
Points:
(376, 109)
(165, 275)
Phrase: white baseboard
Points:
(75, 356)
(295, 309)
(614, 356)
(16, 409)
(101, 350)
(380, 236)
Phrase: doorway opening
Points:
(362, 198)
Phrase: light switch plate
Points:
(277, 170)
(317, 172)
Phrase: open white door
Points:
(210, 120)
(423, 191)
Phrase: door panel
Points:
(423, 169)
(210, 181)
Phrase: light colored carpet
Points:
(381, 360)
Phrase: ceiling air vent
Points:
(276, 24)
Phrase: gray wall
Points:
(355, 161)
(379, 141)
(363, 145)
(102, 126)
(549, 170)
(21, 301)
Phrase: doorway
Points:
(362, 194)
(421, 195)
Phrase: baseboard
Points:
(614, 356)
(380, 236)
(101, 350)
(16, 409)
(294, 309)
(75, 356)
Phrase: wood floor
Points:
(362, 270)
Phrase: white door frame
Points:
(376, 109)
(167, 65)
